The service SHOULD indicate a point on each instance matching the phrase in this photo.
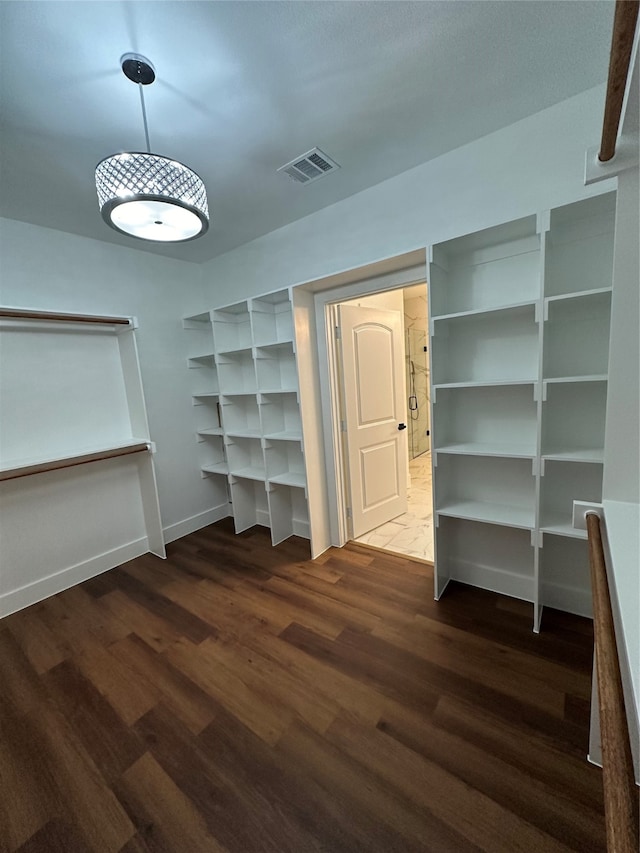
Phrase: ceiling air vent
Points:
(309, 167)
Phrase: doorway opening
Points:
(382, 386)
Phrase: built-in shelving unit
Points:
(249, 426)
(519, 348)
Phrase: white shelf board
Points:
(243, 433)
(212, 431)
(491, 513)
(278, 391)
(594, 377)
(491, 310)
(249, 473)
(204, 318)
(562, 526)
(580, 294)
(236, 308)
(486, 383)
(235, 350)
(510, 451)
(289, 478)
(580, 454)
(216, 468)
(238, 393)
(284, 435)
(206, 395)
(10, 466)
(285, 342)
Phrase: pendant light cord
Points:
(144, 117)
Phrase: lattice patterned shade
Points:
(151, 197)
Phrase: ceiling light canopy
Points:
(146, 195)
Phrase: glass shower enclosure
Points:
(418, 391)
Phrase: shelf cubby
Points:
(213, 456)
(285, 463)
(576, 336)
(240, 416)
(198, 323)
(288, 512)
(494, 490)
(573, 418)
(232, 328)
(491, 268)
(281, 416)
(246, 458)
(494, 346)
(562, 483)
(207, 411)
(276, 368)
(565, 581)
(494, 558)
(207, 415)
(249, 503)
(203, 375)
(237, 372)
(499, 420)
(579, 246)
(272, 318)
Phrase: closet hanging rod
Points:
(620, 792)
(72, 461)
(624, 27)
(24, 314)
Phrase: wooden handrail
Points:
(624, 27)
(620, 792)
(54, 316)
(72, 461)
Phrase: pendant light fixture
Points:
(146, 195)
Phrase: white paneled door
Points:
(372, 354)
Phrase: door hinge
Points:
(349, 513)
(343, 426)
(338, 335)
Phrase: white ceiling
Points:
(243, 87)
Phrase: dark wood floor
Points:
(242, 698)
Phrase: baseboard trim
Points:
(31, 593)
(195, 522)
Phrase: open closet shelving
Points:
(248, 422)
(519, 347)
(76, 456)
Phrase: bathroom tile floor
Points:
(411, 533)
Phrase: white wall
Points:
(390, 300)
(43, 268)
(534, 164)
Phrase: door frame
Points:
(325, 311)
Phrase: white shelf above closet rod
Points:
(15, 471)
(57, 317)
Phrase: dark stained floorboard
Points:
(238, 698)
